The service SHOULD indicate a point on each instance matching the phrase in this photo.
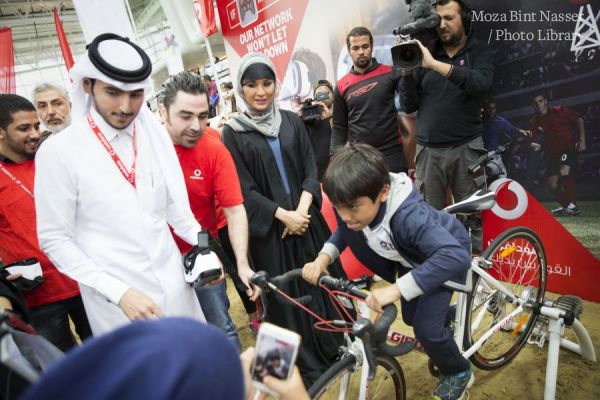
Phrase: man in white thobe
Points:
(106, 190)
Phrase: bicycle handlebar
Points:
(371, 334)
(381, 326)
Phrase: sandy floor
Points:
(522, 379)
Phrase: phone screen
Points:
(274, 357)
(203, 240)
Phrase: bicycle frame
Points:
(367, 335)
(461, 311)
(461, 315)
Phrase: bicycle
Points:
(381, 376)
(498, 306)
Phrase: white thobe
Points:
(104, 233)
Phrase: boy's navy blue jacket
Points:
(435, 246)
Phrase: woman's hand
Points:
(295, 222)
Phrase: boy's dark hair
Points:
(355, 171)
(359, 31)
(11, 104)
(183, 81)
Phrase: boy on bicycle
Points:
(393, 232)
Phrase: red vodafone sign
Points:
(571, 268)
(264, 26)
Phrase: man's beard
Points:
(452, 41)
(364, 63)
(57, 128)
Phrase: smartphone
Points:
(276, 350)
(203, 240)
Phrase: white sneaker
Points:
(558, 211)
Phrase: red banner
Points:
(265, 26)
(7, 62)
(205, 14)
(62, 40)
(571, 268)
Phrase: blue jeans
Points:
(215, 304)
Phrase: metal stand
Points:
(557, 318)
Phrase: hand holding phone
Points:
(276, 350)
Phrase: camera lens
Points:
(407, 55)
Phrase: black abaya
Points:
(264, 192)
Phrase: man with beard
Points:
(447, 90)
(213, 190)
(57, 299)
(53, 107)
(363, 102)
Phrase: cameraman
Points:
(447, 90)
(319, 128)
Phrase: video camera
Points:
(310, 111)
(423, 21)
(200, 265)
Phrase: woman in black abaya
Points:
(282, 196)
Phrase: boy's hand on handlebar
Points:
(382, 296)
(313, 270)
(137, 306)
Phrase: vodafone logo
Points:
(510, 203)
(197, 175)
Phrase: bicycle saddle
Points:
(478, 201)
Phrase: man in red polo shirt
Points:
(562, 132)
(57, 298)
(212, 183)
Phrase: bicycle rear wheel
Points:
(518, 262)
(342, 381)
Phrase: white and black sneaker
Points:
(571, 210)
(558, 211)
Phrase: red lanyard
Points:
(16, 180)
(129, 175)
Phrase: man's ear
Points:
(163, 112)
(2, 133)
(87, 85)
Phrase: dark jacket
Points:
(434, 243)
(450, 108)
(364, 110)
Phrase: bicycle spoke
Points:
(517, 274)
